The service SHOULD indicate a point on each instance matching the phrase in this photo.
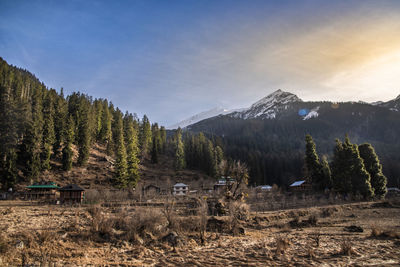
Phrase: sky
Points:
(173, 59)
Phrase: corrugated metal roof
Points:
(179, 184)
(298, 183)
(47, 186)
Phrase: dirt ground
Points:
(361, 234)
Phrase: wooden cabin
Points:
(42, 191)
(300, 186)
(71, 193)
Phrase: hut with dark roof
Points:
(71, 193)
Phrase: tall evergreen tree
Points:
(121, 165)
(83, 137)
(105, 131)
(348, 170)
(179, 161)
(132, 155)
(48, 130)
(316, 171)
(374, 168)
(156, 143)
(67, 153)
(145, 136)
(163, 140)
(31, 144)
(60, 121)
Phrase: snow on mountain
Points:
(312, 114)
(269, 106)
(202, 116)
(393, 105)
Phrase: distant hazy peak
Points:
(200, 116)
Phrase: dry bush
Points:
(170, 214)
(238, 211)
(346, 247)
(317, 238)
(328, 212)
(282, 244)
(92, 196)
(144, 224)
(4, 244)
(377, 232)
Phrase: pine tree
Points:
(179, 161)
(132, 155)
(326, 173)
(60, 121)
(31, 144)
(8, 169)
(340, 169)
(121, 165)
(313, 166)
(361, 180)
(154, 151)
(48, 130)
(105, 131)
(163, 140)
(145, 136)
(374, 168)
(83, 137)
(348, 170)
(156, 143)
(67, 152)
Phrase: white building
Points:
(180, 189)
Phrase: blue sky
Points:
(172, 59)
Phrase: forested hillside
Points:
(274, 148)
(39, 126)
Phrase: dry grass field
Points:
(358, 234)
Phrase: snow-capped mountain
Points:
(278, 104)
(201, 116)
(393, 105)
(269, 106)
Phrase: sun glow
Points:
(381, 75)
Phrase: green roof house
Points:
(43, 190)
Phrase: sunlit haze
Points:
(172, 59)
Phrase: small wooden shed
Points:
(42, 190)
(300, 186)
(71, 193)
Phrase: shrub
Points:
(346, 247)
(282, 244)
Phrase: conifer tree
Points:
(8, 169)
(31, 144)
(348, 170)
(374, 168)
(83, 137)
(313, 166)
(132, 155)
(48, 130)
(318, 172)
(340, 168)
(60, 121)
(163, 140)
(326, 173)
(121, 165)
(179, 161)
(154, 151)
(105, 131)
(145, 136)
(156, 143)
(67, 152)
